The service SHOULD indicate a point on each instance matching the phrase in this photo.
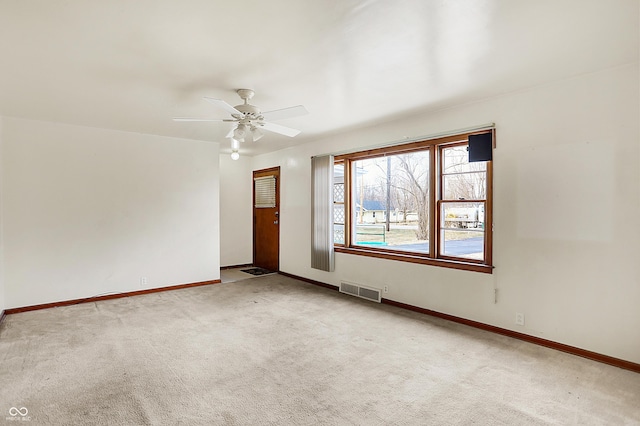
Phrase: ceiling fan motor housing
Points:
(250, 112)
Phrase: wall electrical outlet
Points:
(143, 281)
(386, 289)
(519, 318)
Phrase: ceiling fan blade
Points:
(276, 128)
(222, 104)
(195, 119)
(279, 114)
(230, 134)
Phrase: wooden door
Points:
(266, 218)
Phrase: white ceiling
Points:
(134, 64)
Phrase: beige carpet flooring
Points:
(273, 350)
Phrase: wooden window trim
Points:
(344, 202)
(435, 147)
(412, 257)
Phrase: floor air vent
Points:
(368, 293)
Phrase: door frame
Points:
(260, 173)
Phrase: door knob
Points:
(275, 222)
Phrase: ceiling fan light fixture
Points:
(257, 134)
(240, 132)
(235, 155)
(235, 145)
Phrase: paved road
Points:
(468, 246)
(452, 248)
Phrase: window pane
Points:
(396, 186)
(338, 223)
(338, 183)
(338, 193)
(338, 213)
(338, 206)
(338, 233)
(465, 186)
(463, 244)
(462, 215)
(456, 160)
(462, 230)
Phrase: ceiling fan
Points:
(250, 119)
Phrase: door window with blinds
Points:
(265, 192)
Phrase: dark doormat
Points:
(257, 271)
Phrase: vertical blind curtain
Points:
(265, 190)
(322, 255)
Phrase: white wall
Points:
(89, 211)
(236, 228)
(567, 197)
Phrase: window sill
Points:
(414, 258)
